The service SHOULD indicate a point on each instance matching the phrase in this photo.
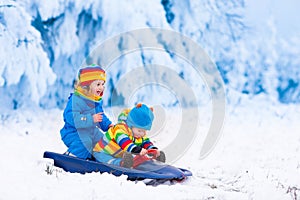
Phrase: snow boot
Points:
(127, 160)
(161, 157)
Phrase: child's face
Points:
(138, 132)
(97, 87)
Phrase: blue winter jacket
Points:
(80, 133)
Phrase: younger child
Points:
(126, 137)
(83, 115)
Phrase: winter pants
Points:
(106, 158)
(80, 143)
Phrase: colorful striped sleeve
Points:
(124, 141)
(147, 144)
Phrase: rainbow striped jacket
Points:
(119, 138)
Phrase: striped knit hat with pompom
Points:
(91, 73)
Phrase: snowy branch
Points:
(293, 192)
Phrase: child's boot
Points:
(161, 157)
(127, 160)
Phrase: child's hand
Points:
(143, 152)
(98, 117)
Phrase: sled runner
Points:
(151, 169)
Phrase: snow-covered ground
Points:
(257, 157)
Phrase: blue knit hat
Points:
(140, 117)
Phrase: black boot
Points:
(161, 157)
(127, 160)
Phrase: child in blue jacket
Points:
(83, 115)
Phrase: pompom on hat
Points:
(141, 116)
(89, 74)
